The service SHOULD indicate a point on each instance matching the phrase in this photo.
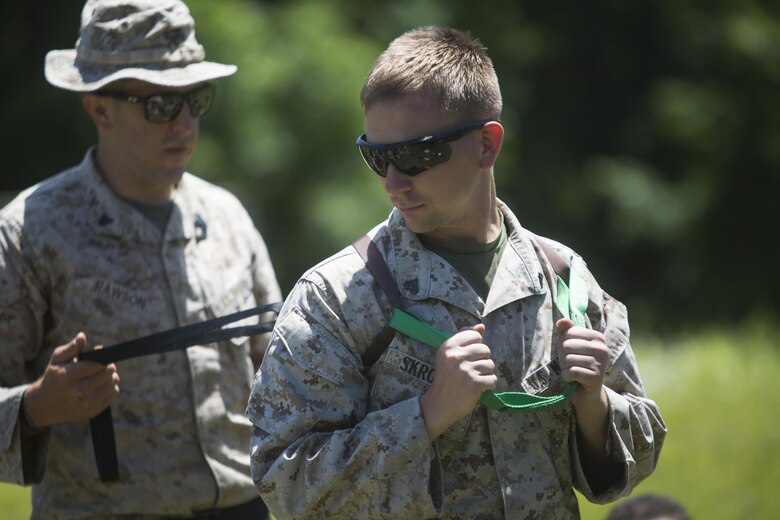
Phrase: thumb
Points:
(563, 325)
(70, 351)
(479, 327)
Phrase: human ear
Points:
(99, 110)
(492, 138)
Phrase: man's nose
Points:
(396, 181)
(185, 122)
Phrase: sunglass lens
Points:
(409, 159)
(375, 159)
(163, 107)
(416, 158)
(201, 100)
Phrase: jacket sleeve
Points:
(22, 310)
(636, 429)
(316, 449)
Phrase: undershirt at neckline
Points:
(477, 263)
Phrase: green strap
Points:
(573, 303)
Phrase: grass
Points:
(719, 395)
(14, 502)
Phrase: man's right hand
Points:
(70, 390)
(464, 371)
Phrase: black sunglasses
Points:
(165, 107)
(416, 155)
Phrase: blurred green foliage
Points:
(642, 133)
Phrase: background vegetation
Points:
(643, 134)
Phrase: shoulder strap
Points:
(378, 268)
(558, 262)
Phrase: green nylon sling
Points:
(572, 302)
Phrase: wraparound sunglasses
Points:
(165, 107)
(416, 155)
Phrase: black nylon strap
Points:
(378, 268)
(101, 428)
(209, 331)
(204, 332)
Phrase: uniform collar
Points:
(422, 274)
(519, 273)
(112, 216)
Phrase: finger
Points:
(583, 376)
(477, 382)
(593, 348)
(487, 381)
(463, 338)
(87, 368)
(563, 325)
(106, 394)
(479, 328)
(81, 342)
(94, 382)
(83, 370)
(475, 352)
(466, 353)
(585, 334)
(583, 361)
(484, 367)
(69, 352)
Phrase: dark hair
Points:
(648, 507)
(448, 65)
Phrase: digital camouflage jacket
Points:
(74, 257)
(335, 439)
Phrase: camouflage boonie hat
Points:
(149, 40)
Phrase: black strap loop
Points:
(209, 331)
(205, 332)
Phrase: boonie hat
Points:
(149, 40)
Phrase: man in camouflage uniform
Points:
(405, 437)
(121, 246)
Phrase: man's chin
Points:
(176, 167)
(417, 227)
(173, 176)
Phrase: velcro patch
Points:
(410, 365)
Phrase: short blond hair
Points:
(448, 65)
